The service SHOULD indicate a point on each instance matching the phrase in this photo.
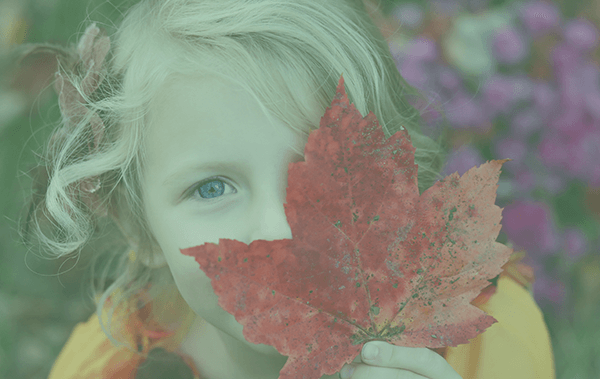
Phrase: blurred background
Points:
(516, 79)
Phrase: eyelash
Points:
(196, 189)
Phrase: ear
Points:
(153, 260)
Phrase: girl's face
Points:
(216, 168)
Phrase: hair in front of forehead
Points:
(276, 49)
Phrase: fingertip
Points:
(370, 351)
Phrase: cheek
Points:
(174, 230)
(193, 284)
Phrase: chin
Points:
(261, 348)
(264, 349)
(227, 324)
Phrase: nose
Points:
(267, 219)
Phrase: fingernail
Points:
(346, 372)
(370, 351)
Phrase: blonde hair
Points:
(305, 44)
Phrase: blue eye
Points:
(210, 188)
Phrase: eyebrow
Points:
(212, 166)
(218, 166)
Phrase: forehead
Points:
(201, 91)
(211, 114)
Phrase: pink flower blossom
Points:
(545, 97)
(547, 289)
(581, 34)
(574, 150)
(592, 105)
(414, 73)
(509, 45)
(589, 72)
(526, 122)
(539, 16)
(571, 95)
(568, 120)
(498, 93)
(464, 111)
(423, 48)
(448, 78)
(525, 180)
(575, 243)
(552, 151)
(594, 177)
(529, 225)
(584, 152)
(565, 58)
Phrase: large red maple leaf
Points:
(370, 259)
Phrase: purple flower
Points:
(544, 97)
(409, 15)
(575, 243)
(461, 160)
(498, 93)
(526, 122)
(594, 176)
(539, 16)
(592, 104)
(565, 59)
(525, 180)
(529, 225)
(423, 48)
(448, 78)
(415, 73)
(571, 95)
(584, 152)
(581, 34)
(430, 114)
(511, 148)
(426, 110)
(574, 150)
(568, 120)
(509, 46)
(590, 77)
(552, 151)
(463, 111)
(548, 290)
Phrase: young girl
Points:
(178, 130)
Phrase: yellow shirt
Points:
(517, 346)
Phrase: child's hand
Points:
(397, 362)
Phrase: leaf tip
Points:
(341, 89)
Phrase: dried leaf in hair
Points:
(161, 364)
(89, 195)
(69, 100)
(93, 48)
(97, 131)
